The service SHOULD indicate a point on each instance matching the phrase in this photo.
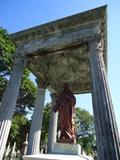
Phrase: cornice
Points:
(63, 25)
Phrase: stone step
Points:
(54, 157)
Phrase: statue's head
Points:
(66, 87)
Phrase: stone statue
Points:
(65, 105)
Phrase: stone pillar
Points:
(108, 142)
(9, 102)
(36, 126)
(25, 145)
(52, 133)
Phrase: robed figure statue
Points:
(65, 105)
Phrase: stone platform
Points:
(60, 151)
(54, 157)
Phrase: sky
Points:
(17, 15)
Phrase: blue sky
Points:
(16, 15)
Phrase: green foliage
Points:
(19, 129)
(7, 48)
(6, 61)
(21, 126)
(45, 125)
(5, 43)
(27, 94)
(3, 83)
(85, 130)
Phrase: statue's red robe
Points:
(65, 105)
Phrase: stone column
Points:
(9, 102)
(108, 142)
(52, 133)
(36, 126)
(25, 145)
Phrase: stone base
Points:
(66, 148)
(54, 157)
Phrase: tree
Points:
(7, 49)
(27, 94)
(85, 130)
(19, 129)
(20, 123)
(45, 125)
(27, 91)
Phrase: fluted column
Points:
(36, 126)
(9, 102)
(108, 142)
(52, 133)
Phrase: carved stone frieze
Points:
(63, 25)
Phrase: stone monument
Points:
(71, 50)
(65, 105)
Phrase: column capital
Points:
(95, 45)
(53, 96)
(42, 83)
(20, 58)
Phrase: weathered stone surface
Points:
(66, 148)
(58, 49)
(58, 52)
(8, 104)
(63, 25)
(36, 126)
(67, 65)
(108, 141)
(52, 132)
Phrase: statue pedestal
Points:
(66, 148)
(60, 151)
